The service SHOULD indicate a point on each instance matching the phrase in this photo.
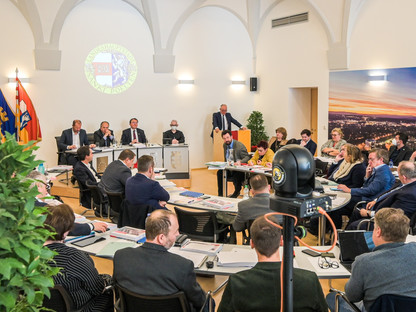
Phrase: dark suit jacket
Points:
(66, 139)
(250, 209)
(310, 146)
(403, 198)
(126, 136)
(99, 137)
(152, 270)
(142, 190)
(404, 154)
(217, 121)
(243, 290)
(83, 174)
(380, 181)
(239, 152)
(354, 179)
(115, 176)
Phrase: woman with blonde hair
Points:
(349, 168)
(332, 147)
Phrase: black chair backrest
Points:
(59, 300)
(115, 199)
(393, 303)
(61, 154)
(90, 137)
(134, 215)
(130, 301)
(413, 224)
(246, 232)
(197, 225)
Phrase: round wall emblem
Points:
(110, 68)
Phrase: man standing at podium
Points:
(222, 120)
(240, 155)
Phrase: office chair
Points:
(134, 215)
(60, 300)
(115, 199)
(344, 296)
(246, 232)
(90, 137)
(130, 301)
(200, 225)
(98, 200)
(393, 303)
(83, 196)
(62, 159)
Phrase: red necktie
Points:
(134, 134)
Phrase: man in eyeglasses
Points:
(388, 269)
(243, 288)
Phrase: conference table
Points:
(301, 260)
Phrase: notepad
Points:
(237, 257)
(110, 249)
(197, 258)
(191, 194)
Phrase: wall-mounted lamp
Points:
(238, 82)
(186, 82)
(22, 80)
(377, 77)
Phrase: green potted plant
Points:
(25, 276)
(255, 124)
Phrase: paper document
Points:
(237, 257)
(203, 247)
(110, 249)
(197, 258)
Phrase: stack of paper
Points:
(202, 247)
(217, 203)
(237, 257)
(130, 233)
(197, 258)
(215, 165)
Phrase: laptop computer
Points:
(353, 244)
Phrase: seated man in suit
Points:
(377, 180)
(116, 174)
(240, 155)
(307, 142)
(222, 120)
(73, 138)
(133, 134)
(84, 171)
(400, 151)
(388, 269)
(402, 196)
(243, 289)
(256, 206)
(104, 136)
(173, 136)
(153, 271)
(45, 199)
(143, 189)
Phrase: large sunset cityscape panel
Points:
(373, 111)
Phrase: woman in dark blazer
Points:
(349, 169)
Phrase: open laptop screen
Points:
(353, 244)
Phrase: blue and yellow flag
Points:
(7, 117)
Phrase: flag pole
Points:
(17, 108)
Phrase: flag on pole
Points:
(29, 122)
(7, 117)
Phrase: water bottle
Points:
(115, 143)
(230, 159)
(391, 163)
(41, 168)
(246, 192)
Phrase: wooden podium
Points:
(243, 136)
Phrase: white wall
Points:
(203, 49)
(291, 57)
(211, 47)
